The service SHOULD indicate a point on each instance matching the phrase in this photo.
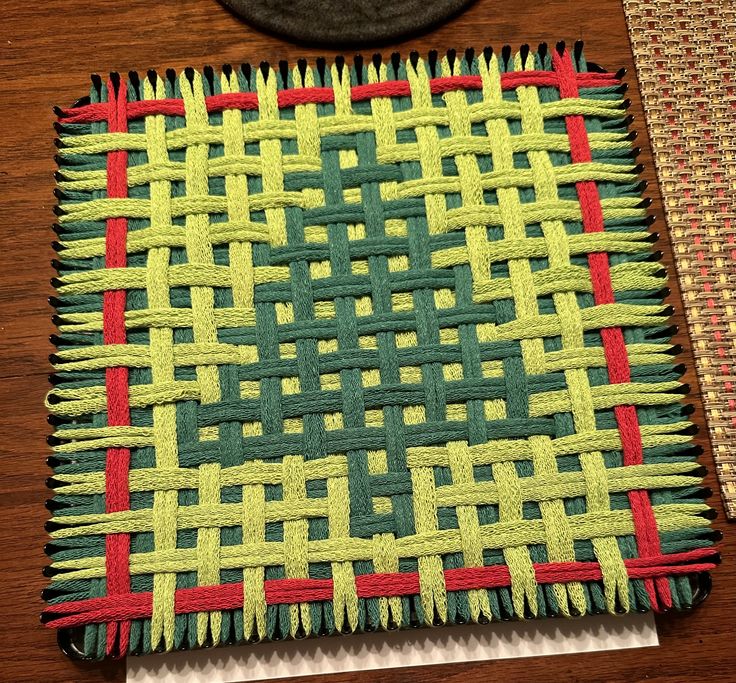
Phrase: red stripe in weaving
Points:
(619, 371)
(117, 464)
(289, 98)
(289, 591)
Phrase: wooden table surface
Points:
(48, 50)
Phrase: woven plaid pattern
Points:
(347, 349)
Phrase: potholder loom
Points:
(356, 348)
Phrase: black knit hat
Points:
(344, 22)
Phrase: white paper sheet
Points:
(396, 649)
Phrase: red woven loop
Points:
(117, 493)
(289, 98)
(292, 591)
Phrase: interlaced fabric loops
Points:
(346, 349)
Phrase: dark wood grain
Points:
(46, 53)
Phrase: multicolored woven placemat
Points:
(687, 72)
(355, 348)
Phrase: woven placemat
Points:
(361, 347)
(686, 66)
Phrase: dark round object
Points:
(71, 643)
(344, 22)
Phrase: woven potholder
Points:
(355, 348)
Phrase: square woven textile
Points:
(347, 348)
